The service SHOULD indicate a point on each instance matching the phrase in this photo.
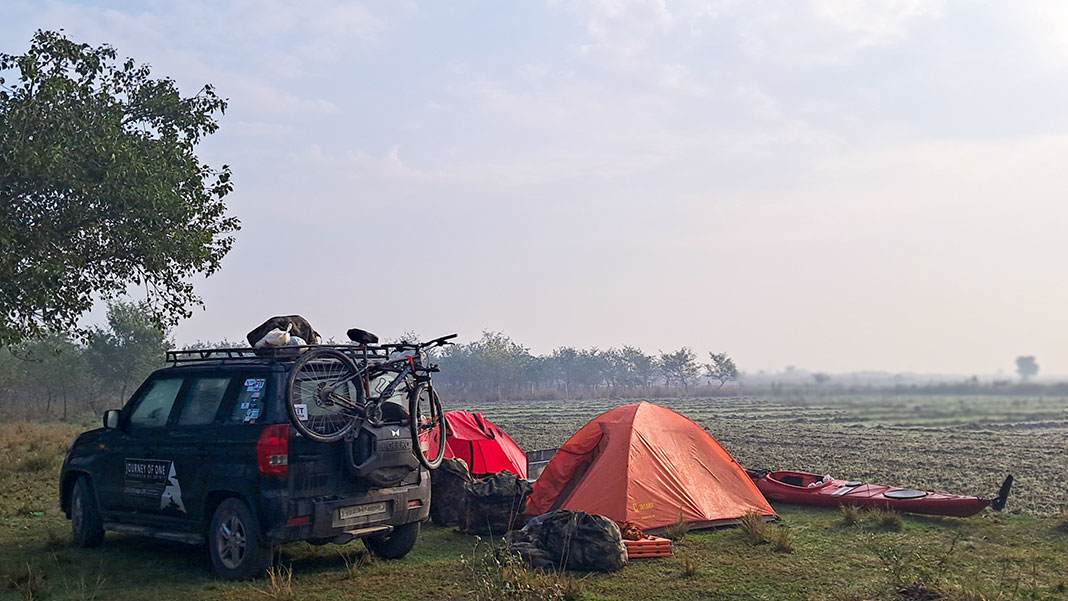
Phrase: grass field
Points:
(962, 444)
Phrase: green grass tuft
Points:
(851, 515)
(782, 541)
(689, 568)
(678, 530)
(754, 528)
(279, 585)
(886, 519)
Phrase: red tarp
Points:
(482, 444)
(647, 464)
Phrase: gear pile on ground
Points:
(630, 531)
(447, 491)
(493, 505)
(573, 540)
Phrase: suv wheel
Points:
(236, 543)
(87, 530)
(396, 544)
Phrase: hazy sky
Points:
(833, 184)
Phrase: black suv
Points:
(204, 452)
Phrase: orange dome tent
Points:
(647, 464)
(482, 444)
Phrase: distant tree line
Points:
(58, 376)
(495, 367)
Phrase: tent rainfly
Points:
(648, 465)
(482, 444)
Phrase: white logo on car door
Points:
(172, 493)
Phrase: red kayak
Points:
(801, 488)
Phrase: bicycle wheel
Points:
(325, 398)
(427, 424)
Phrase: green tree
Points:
(129, 349)
(100, 188)
(500, 361)
(679, 367)
(565, 365)
(640, 368)
(721, 369)
(48, 375)
(1026, 366)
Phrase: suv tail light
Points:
(272, 450)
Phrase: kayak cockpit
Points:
(800, 480)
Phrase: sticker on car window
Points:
(301, 410)
(254, 384)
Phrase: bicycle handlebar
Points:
(413, 346)
(439, 341)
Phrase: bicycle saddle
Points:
(361, 336)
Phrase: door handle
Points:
(203, 453)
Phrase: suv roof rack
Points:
(271, 354)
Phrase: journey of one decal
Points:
(149, 482)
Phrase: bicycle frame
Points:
(409, 365)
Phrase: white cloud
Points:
(876, 22)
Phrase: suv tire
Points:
(396, 544)
(235, 542)
(87, 530)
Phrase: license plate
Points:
(347, 513)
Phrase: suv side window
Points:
(154, 406)
(251, 402)
(202, 399)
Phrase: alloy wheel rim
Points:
(230, 541)
(76, 511)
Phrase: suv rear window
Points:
(249, 406)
